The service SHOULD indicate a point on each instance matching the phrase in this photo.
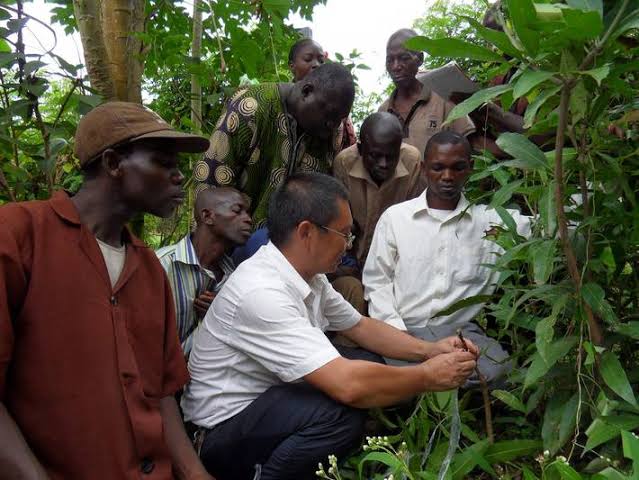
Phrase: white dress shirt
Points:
(265, 327)
(424, 260)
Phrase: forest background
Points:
(567, 302)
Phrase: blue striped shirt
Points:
(188, 280)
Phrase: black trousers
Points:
(287, 430)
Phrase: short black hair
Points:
(297, 46)
(377, 121)
(304, 196)
(447, 137)
(335, 80)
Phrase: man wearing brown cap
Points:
(89, 354)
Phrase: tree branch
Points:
(600, 44)
(571, 260)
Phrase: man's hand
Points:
(202, 303)
(452, 344)
(448, 370)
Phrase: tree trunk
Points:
(112, 50)
(196, 88)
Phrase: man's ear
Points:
(305, 230)
(110, 160)
(307, 89)
(207, 216)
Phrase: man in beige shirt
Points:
(420, 110)
(379, 171)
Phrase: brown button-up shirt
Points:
(368, 200)
(83, 366)
(426, 117)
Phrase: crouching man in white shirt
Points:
(271, 391)
(430, 252)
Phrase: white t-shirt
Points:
(114, 258)
(265, 327)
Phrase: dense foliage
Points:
(568, 299)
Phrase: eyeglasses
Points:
(348, 237)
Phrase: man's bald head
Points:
(223, 213)
(379, 146)
(382, 126)
(400, 36)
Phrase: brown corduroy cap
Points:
(118, 123)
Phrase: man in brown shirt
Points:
(89, 354)
(420, 110)
(379, 171)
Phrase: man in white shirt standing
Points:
(430, 252)
(267, 386)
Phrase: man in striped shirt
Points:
(198, 265)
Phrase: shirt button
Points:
(114, 300)
(147, 466)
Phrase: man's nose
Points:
(314, 64)
(382, 162)
(178, 177)
(447, 175)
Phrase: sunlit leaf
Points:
(529, 80)
(522, 149)
(509, 399)
(453, 48)
(475, 101)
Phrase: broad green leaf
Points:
(453, 48)
(507, 218)
(540, 366)
(509, 450)
(519, 147)
(522, 15)
(559, 422)
(529, 80)
(629, 22)
(509, 399)
(579, 101)
(630, 329)
(502, 195)
(565, 470)
(587, 5)
(631, 449)
(468, 459)
(279, 6)
(543, 260)
(615, 377)
(466, 302)
(381, 457)
(581, 25)
(599, 74)
(528, 475)
(610, 474)
(537, 103)
(544, 333)
(32, 66)
(497, 38)
(4, 46)
(594, 296)
(606, 428)
(475, 101)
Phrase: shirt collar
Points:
(291, 276)
(62, 205)
(185, 252)
(463, 207)
(358, 170)
(424, 97)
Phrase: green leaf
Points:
(497, 38)
(579, 101)
(565, 470)
(630, 329)
(559, 422)
(581, 25)
(528, 475)
(502, 195)
(605, 428)
(594, 296)
(468, 459)
(529, 80)
(32, 66)
(475, 101)
(537, 103)
(510, 400)
(453, 48)
(279, 6)
(543, 260)
(466, 302)
(599, 74)
(523, 14)
(507, 218)
(382, 457)
(509, 450)
(522, 149)
(540, 366)
(587, 5)
(615, 377)
(631, 449)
